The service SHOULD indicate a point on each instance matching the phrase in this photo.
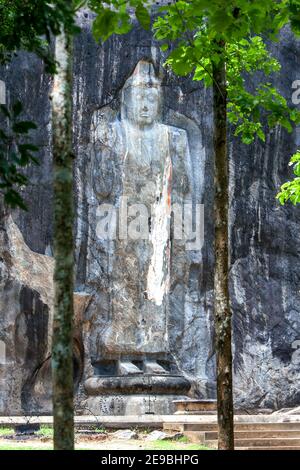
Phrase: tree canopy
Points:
(290, 191)
(192, 34)
(26, 25)
(196, 28)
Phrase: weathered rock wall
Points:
(265, 238)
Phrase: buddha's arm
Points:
(181, 162)
(104, 172)
(103, 157)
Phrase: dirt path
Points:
(109, 444)
(94, 444)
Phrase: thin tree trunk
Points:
(62, 361)
(221, 291)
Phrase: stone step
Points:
(173, 427)
(254, 426)
(286, 434)
(189, 406)
(254, 443)
(197, 437)
(269, 448)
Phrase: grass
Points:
(45, 432)
(183, 439)
(14, 446)
(155, 445)
(179, 444)
(6, 431)
(182, 443)
(99, 430)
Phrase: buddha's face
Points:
(142, 105)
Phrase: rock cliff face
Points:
(265, 238)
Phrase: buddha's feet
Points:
(146, 375)
(128, 368)
(152, 367)
(146, 367)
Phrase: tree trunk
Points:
(62, 361)
(221, 291)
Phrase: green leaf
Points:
(143, 16)
(261, 134)
(4, 110)
(17, 108)
(297, 169)
(3, 136)
(14, 200)
(79, 4)
(26, 147)
(105, 25)
(23, 127)
(164, 47)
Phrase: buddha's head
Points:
(141, 96)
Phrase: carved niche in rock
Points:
(140, 166)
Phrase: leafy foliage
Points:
(115, 16)
(15, 154)
(28, 25)
(231, 20)
(290, 191)
(192, 30)
(196, 28)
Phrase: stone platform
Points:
(251, 432)
(168, 422)
(195, 407)
(135, 393)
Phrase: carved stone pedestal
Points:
(145, 384)
(135, 394)
(129, 405)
